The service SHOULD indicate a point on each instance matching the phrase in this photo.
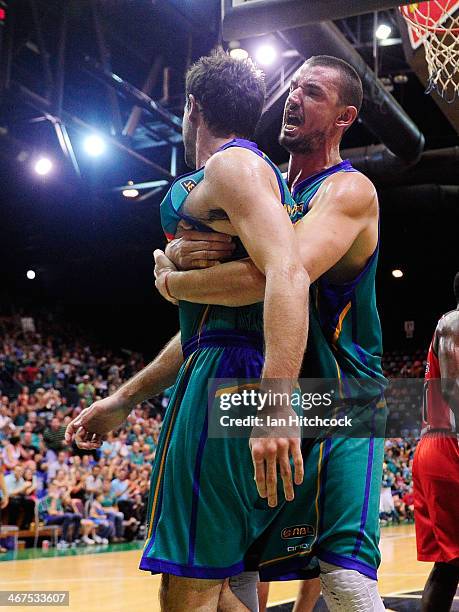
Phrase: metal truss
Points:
(137, 124)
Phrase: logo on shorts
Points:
(297, 531)
(188, 185)
(299, 548)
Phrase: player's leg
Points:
(308, 594)
(440, 588)
(263, 594)
(335, 518)
(239, 593)
(348, 547)
(348, 590)
(436, 483)
(178, 594)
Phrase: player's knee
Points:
(348, 590)
(180, 593)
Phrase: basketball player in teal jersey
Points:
(204, 511)
(336, 222)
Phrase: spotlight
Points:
(94, 145)
(130, 193)
(43, 166)
(397, 273)
(266, 55)
(401, 79)
(239, 54)
(383, 31)
(30, 274)
(236, 51)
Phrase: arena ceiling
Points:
(72, 69)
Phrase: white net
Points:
(436, 25)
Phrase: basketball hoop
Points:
(435, 24)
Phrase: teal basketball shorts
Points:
(205, 517)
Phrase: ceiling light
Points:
(239, 54)
(43, 166)
(94, 145)
(130, 193)
(383, 31)
(266, 55)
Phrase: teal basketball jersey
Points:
(196, 318)
(345, 339)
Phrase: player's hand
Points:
(271, 445)
(266, 453)
(4, 502)
(163, 266)
(191, 249)
(91, 426)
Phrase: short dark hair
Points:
(230, 92)
(351, 90)
(456, 286)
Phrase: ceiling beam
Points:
(265, 16)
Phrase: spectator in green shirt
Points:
(86, 390)
(54, 436)
(108, 502)
(136, 456)
(51, 511)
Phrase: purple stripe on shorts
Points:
(159, 566)
(195, 500)
(363, 518)
(223, 338)
(347, 563)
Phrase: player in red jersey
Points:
(436, 466)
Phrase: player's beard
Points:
(303, 143)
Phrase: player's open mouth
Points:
(291, 123)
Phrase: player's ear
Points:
(347, 117)
(192, 107)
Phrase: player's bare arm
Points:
(93, 423)
(242, 185)
(192, 249)
(336, 238)
(245, 189)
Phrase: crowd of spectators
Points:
(396, 501)
(405, 373)
(404, 364)
(46, 379)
